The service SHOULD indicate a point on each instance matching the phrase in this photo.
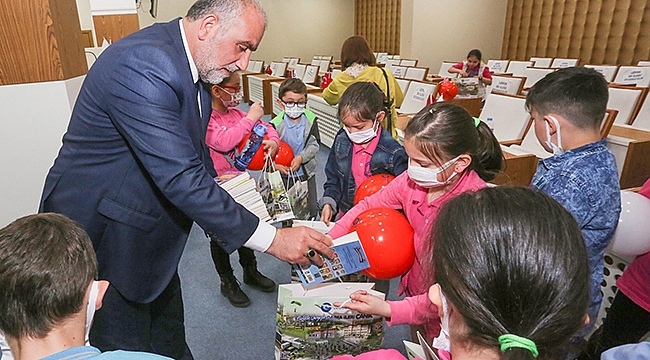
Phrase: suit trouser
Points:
(157, 327)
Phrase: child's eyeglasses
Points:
(291, 104)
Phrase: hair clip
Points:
(477, 121)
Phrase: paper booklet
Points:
(316, 225)
(242, 188)
(349, 258)
(421, 350)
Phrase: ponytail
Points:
(488, 159)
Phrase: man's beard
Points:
(209, 71)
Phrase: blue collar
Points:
(591, 148)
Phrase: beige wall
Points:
(300, 28)
(435, 30)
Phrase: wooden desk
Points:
(518, 171)
(472, 105)
(259, 88)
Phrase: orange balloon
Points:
(387, 239)
(371, 185)
(257, 163)
(284, 155)
(448, 89)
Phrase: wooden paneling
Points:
(40, 41)
(114, 27)
(379, 21)
(596, 32)
(87, 38)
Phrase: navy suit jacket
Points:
(134, 169)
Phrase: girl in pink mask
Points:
(449, 153)
(228, 126)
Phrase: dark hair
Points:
(356, 50)
(226, 10)
(448, 129)
(578, 94)
(47, 262)
(294, 85)
(476, 53)
(363, 101)
(512, 261)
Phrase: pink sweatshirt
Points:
(225, 132)
(403, 193)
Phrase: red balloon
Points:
(284, 155)
(387, 238)
(371, 185)
(257, 163)
(448, 89)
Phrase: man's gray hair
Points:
(226, 10)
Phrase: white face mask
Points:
(442, 341)
(363, 136)
(557, 149)
(295, 111)
(90, 310)
(428, 178)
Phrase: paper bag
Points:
(310, 327)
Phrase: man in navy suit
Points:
(134, 171)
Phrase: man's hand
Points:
(256, 111)
(295, 163)
(294, 244)
(366, 303)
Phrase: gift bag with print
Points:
(273, 192)
(298, 192)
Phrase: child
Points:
(297, 126)
(473, 67)
(628, 318)
(567, 107)
(361, 149)
(228, 126)
(48, 273)
(512, 276)
(449, 153)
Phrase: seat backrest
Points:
(278, 68)
(642, 119)
(392, 62)
(444, 69)
(517, 68)
(533, 75)
(299, 70)
(627, 100)
(323, 66)
(608, 122)
(498, 66)
(643, 63)
(608, 71)
(382, 57)
(416, 73)
(403, 84)
(408, 62)
(311, 72)
(416, 97)
(90, 58)
(512, 85)
(541, 62)
(559, 63)
(633, 75)
(398, 71)
(335, 72)
(292, 63)
(510, 118)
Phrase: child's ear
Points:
(381, 115)
(214, 90)
(552, 125)
(103, 286)
(434, 297)
(280, 103)
(462, 163)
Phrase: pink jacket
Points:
(225, 132)
(403, 193)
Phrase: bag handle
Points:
(389, 104)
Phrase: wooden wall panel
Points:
(379, 21)
(114, 27)
(40, 41)
(596, 31)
